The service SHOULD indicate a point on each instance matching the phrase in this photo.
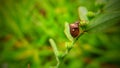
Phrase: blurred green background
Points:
(27, 25)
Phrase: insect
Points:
(74, 29)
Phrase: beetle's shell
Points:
(74, 29)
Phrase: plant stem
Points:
(75, 40)
(61, 58)
(68, 50)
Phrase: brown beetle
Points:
(74, 29)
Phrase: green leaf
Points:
(83, 13)
(67, 32)
(103, 21)
(112, 6)
(54, 47)
(109, 17)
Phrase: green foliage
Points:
(27, 25)
(109, 16)
(67, 32)
(103, 21)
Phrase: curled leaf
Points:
(67, 32)
(83, 13)
(54, 47)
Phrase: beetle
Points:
(74, 29)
